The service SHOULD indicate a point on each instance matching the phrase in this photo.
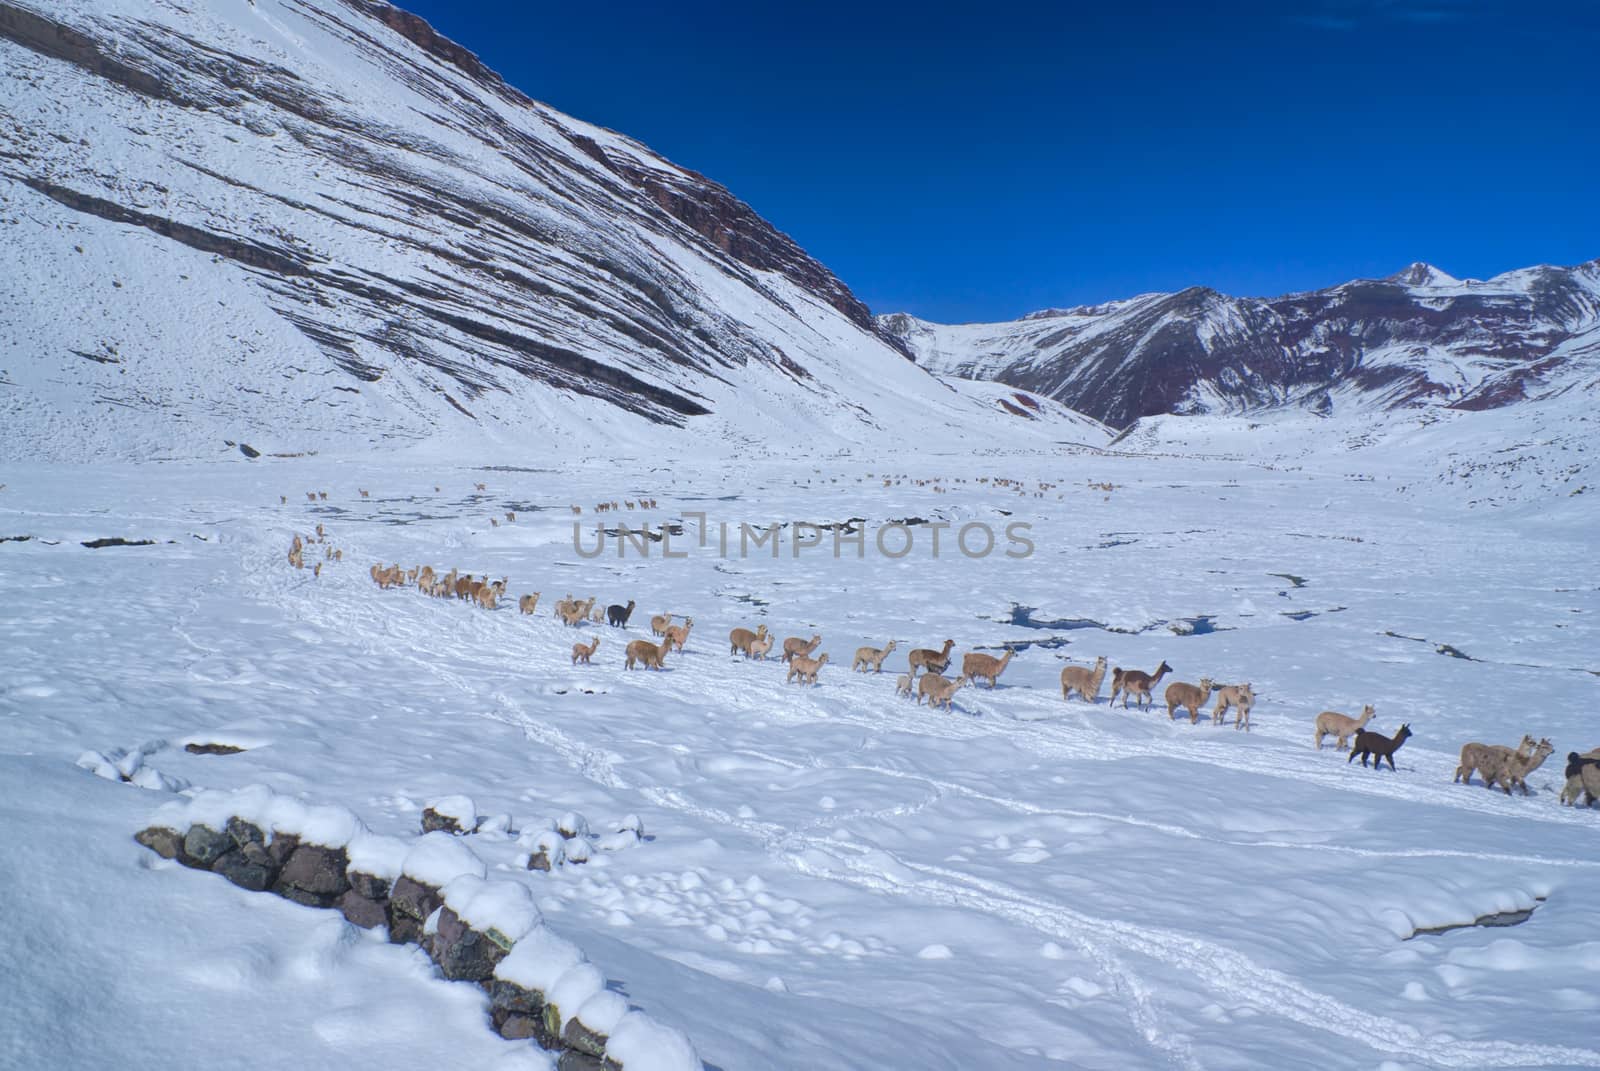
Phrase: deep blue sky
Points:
(980, 162)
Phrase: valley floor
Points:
(834, 877)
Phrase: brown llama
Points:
(582, 652)
(795, 645)
(646, 654)
(1189, 696)
(926, 658)
(528, 603)
(1380, 747)
(741, 638)
(1128, 682)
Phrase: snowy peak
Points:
(1419, 338)
(1421, 274)
(305, 224)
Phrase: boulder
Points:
(167, 843)
(462, 953)
(411, 898)
(282, 847)
(577, 1036)
(315, 869)
(203, 846)
(432, 820)
(243, 871)
(517, 1026)
(508, 998)
(373, 888)
(575, 1060)
(362, 911)
(302, 896)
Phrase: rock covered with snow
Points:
(451, 814)
(434, 891)
(640, 1043)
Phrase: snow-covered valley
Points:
(833, 876)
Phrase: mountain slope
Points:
(1416, 338)
(315, 223)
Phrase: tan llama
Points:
(872, 657)
(976, 664)
(740, 638)
(582, 652)
(1083, 680)
(645, 653)
(794, 646)
(805, 668)
(1191, 697)
(1343, 726)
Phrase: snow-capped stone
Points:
(452, 814)
(639, 1043)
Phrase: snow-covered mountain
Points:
(1416, 338)
(313, 224)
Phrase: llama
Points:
(805, 668)
(1515, 768)
(528, 603)
(1128, 682)
(488, 594)
(582, 652)
(1083, 680)
(872, 657)
(1239, 696)
(794, 647)
(480, 487)
(678, 635)
(659, 623)
(936, 689)
(741, 638)
(511, 516)
(1332, 723)
(974, 664)
(1190, 696)
(364, 493)
(904, 685)
(617, 615)
(925, 658)
(1380, 747)
(1583, 778)
(1476, 756)
(759, 647)
(646, 654)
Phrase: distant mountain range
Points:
(1416, 338)
(317, 224)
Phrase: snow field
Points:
(833, 872)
